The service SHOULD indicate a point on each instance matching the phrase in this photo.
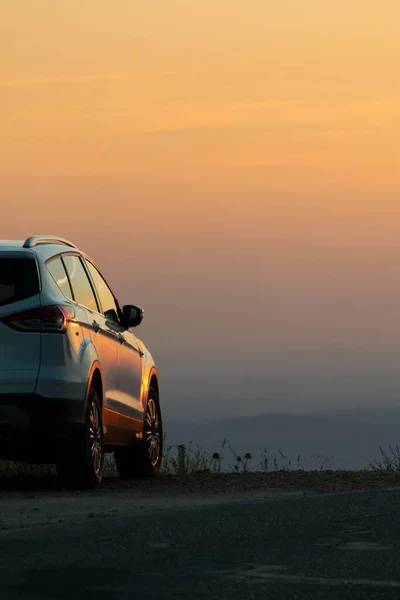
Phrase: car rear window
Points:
(19, 279)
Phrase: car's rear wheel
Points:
(144, 459)
(80, 463)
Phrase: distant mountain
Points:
(352, 438)
(385, 414)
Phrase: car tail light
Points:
(44, 319)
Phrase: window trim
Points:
(68, 277)
(60, 258)
(119, 311)
(80, 258)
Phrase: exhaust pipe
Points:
(5, 434)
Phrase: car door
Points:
(129, 353)
(130, 373)
(98, 328)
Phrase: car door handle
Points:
(96, 326)
(121, 338)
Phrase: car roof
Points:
(11, 244)
(43, 246)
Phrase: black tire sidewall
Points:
(134, 462)
(92, 475)
(152, 395)
(75, 465)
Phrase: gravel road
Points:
(173, 540)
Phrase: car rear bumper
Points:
(33, 425)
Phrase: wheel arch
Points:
(154, 383)
(95, 380)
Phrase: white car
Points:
(75, 381)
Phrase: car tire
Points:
(80, 463)
(144, 459)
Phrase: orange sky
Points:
(243, 159)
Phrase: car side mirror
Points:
(132, 315)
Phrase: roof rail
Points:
(36, 240)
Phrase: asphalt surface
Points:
(264, 546)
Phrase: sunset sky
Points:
(234, 167)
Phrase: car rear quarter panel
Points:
(66, 359)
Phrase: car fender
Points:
(149, 371)
(95, 367)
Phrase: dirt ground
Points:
(205, 484)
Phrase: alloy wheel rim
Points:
(153, 432)
(96, 445)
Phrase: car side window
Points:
(108, 303)
(59, 274)
(83, 292)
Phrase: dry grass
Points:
(192, 462)
(390, 461)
